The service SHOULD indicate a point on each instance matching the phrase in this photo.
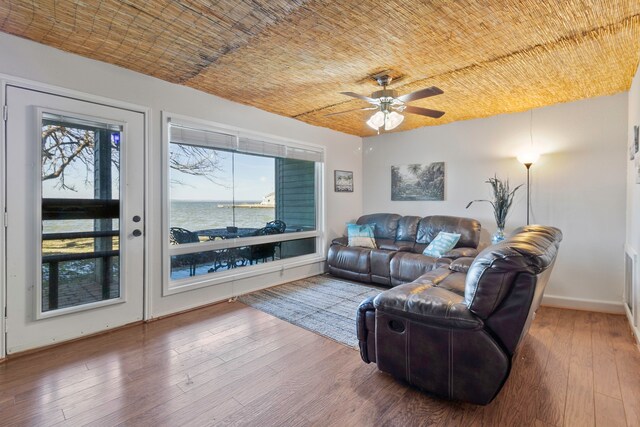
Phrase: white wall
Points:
(633, 194)
(39, 63)
(578, 185)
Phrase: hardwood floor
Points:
(230, 364)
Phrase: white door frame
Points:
(81, 96)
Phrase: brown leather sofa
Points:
(400, 241)
(454, 330)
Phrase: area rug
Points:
(322, 304)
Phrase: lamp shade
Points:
(377, 120)
(393, 120)
(528, 157)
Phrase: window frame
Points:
(39, 314)
(170, 286)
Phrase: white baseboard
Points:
(233, 288)
(634, 330)
(583, 304)
(292, 275)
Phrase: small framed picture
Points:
(343, 181)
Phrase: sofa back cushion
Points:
(531, 249)
(386, 224)
(407, 228)
(430, 226)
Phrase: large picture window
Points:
(237, 201)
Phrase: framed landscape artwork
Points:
(343, 181)
(418, 182)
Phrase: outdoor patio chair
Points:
(278, 225)
(262, 251)
(179, 236)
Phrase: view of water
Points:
(202, 215)
(192, 215)
(71, 225)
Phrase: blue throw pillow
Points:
(442, 244)
(361, 235)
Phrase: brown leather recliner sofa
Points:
(454, 330)
(400, 241)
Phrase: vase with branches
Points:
(502, 200)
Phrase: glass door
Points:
(74, 202)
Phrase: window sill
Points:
(192, 283)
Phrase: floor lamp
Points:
(528, 159)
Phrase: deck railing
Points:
(73, 209)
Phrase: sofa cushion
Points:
(397, 245)
(407, 228)
(442, 244)
(407, 266)
(380, 260)
(361, 235)
(434, 277)
(349, 259)
(384, 244)
(461, 264)
(461, 252)
(468, 228)
(444, 278)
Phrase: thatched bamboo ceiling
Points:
(294, 57)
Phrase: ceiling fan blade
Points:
(419, 94)
(353, 109)
(424, 111)
(365, 98)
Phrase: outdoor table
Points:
(224, 233)
(226, 258)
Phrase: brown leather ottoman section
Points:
(350, 263)
(380, 266)
(406, 267)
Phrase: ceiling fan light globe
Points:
(376, 121)
(393, 120)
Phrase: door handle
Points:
(137, 233)
(136, 218)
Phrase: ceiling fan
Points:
(390, 105)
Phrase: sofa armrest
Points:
(461, 265)
(429, 305)
(365, 329)
(461, 252)
(341, 241)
